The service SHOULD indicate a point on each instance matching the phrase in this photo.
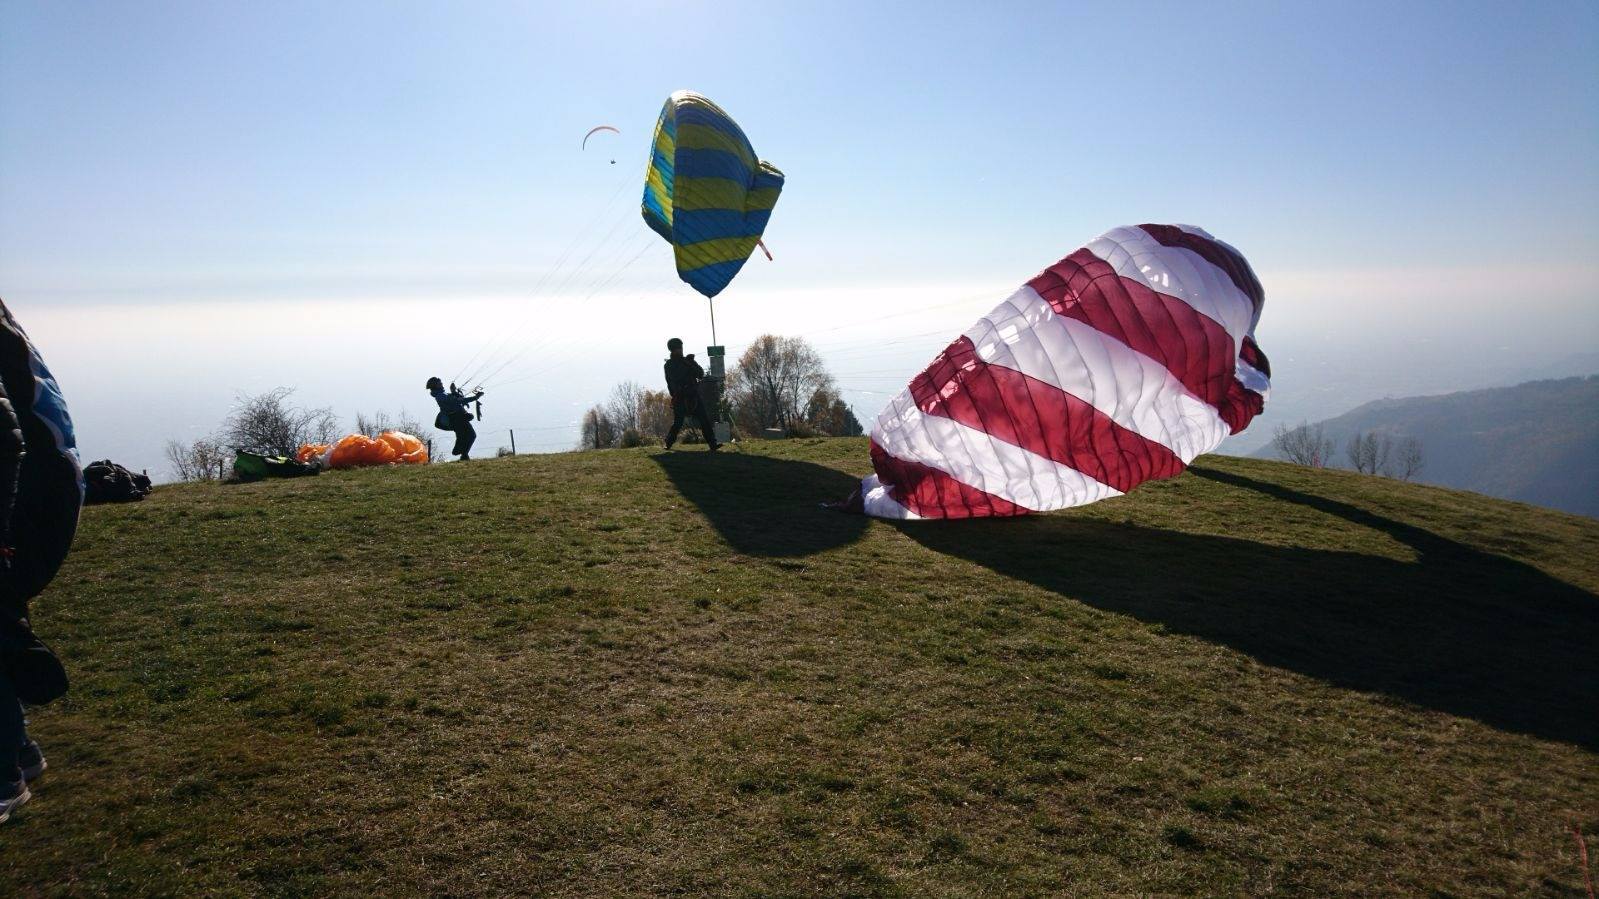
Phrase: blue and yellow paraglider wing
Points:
(706, 192)
(658, 180)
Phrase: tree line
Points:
(1369, 452)
(779, 384)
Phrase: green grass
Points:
(634, 673)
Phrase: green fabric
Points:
(254, 466)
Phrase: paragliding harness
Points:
(683, 379)
(442, 420)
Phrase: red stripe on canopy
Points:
(1233, 265)
(1039, 417)
(931, 493)
(1194, 347)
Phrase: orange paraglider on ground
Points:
(359, 451)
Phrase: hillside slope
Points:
(1536, 442)
(631, 672)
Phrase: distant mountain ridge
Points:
(1536, 442)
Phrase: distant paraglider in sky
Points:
(706, 192)
(1119, 364)
(595, 130)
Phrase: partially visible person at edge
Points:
(455, 416)
(683, 376)
(41, 490)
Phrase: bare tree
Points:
(1303, 445)
(774, 382)
(202, 460)
(599, 432)
(623, 406)
(1356, 451)
(381, 421)
(1408, 460)
(1370, 453)
(267, 423)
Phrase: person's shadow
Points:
(1457, 629)
(763, 506)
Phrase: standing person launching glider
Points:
(683, 376)
(454, 415)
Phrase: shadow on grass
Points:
(764, 506)
(1457, 630)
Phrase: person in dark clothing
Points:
(41, 491)
(683, 376)
(13, 728)
(455, 416)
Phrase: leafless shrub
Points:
(380, 421)
(267, 423)
(1356, 452)
(1369, 453)
(1408, 460)
(623, 406)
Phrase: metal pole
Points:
(713, 319)
(513, 441)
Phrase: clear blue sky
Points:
(234, 153)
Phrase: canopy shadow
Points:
(1457, 630)
(763, 506)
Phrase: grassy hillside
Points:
(1536, 442)
(633, 672)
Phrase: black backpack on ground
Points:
(107, 482)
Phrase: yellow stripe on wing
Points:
(711, 252)
(704, 137)
(723, 193)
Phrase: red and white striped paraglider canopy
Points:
(1118, 364)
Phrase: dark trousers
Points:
(465, 435)
(697, 410)
(13, 734)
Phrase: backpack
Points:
(107, 482)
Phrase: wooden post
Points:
(513, 441)
(430, 450)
